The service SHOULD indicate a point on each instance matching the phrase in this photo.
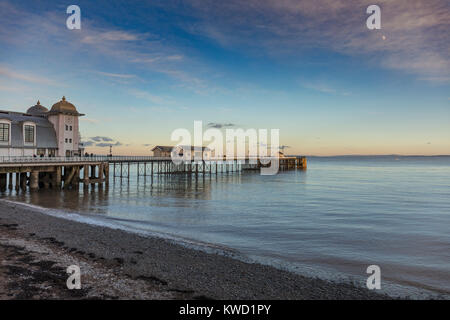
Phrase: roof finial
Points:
(64, 98)
(38, 103)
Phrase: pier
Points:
(69, 172)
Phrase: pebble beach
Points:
(36, 249)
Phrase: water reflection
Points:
(94, 199)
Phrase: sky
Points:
(312, 69)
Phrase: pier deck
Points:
(68, 172)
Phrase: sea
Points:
(332, 221)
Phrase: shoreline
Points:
(36, 248)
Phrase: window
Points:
(29, 134)
(4, 132)
(70, 140)
(67, 127)
(67, 140)
(70, 128)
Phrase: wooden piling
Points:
(107, 173)
(17, 180)
(85, 175)
(58, 177)
(23, 180)
(10, 181)
(34, 180)
(3, 178)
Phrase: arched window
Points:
(5, 131)
(29, 133)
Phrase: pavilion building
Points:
(41, 132)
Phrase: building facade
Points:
(41, 132)
(162, 151)
(188, 152)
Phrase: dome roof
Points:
(64, 106)
(37, 109)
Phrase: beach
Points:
(36, 249)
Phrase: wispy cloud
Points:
(217, 125)
(101, 142)
(98, 138)
(99, 36)
(144, 50)
(24, 76)
(413, 38)
(104, 145)
(116, 75)
(88, 143)
(156, 99)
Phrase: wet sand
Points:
(36, 249)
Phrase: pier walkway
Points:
(67, 172)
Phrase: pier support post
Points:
(70, 178)
(301, 163)
(58, 178)
(10, 182)
(76, 178)
(100, 172)
(17, 180)
(34, 180)
(93, 173)
(2, 182)
(107, 173)
(86, 175)
(45, 180)
(23, 180)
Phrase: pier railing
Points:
(78, 159)
(111, 159)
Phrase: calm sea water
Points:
(333, 220)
